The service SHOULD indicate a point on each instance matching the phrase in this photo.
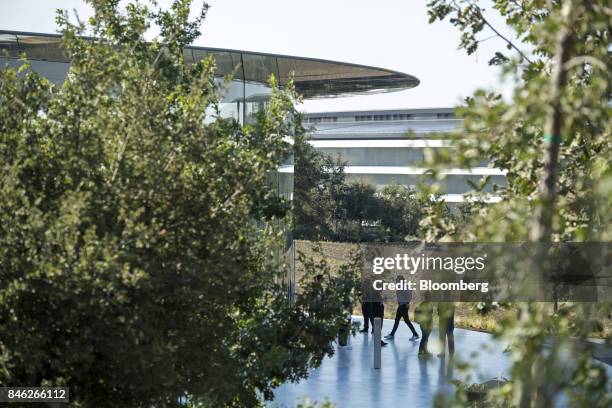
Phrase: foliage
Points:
(490, 393)
(554, 140)
(360, 204)
(130, 270)
(328, 207)
(307, 403)
(320, 183)
(401, 212)
(486, 307)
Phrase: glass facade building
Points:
(388, 146)
(244, 94)
(313, 78)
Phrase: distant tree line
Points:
(329, 207)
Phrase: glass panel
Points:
(8, 42)
(54, 71)
(41, 48)
(258, 68)
(232, 101)
(449, 185)
(313, 78)
(188, 55)
(257, 97)
(378, 156)
(228, 63)
(316, 78)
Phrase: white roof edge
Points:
(344, 112)
(379, 143)
(475, 171)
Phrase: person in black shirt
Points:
(371, 307)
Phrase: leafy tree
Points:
(327, 207)
(319, 187)
(553, 138)
(361, 205)
(133, 269)
(401, 211)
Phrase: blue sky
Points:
(391, 34)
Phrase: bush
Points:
(133, 270)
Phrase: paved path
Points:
(348, 379)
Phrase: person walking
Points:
(367, 307)
(371, 306)
(378, 310)
(403, 302)
(423, 315)
(446, 316)
(368, 311)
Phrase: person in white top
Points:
(403, 304)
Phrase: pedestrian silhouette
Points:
(403, 306)
(423, 315)
(446, 316)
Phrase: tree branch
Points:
(478, 11)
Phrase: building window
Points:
(397, 116)
(322, 119)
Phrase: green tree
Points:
(361, 205)
(400, 211)
(327, 207)
(320, 183)
(553, 138)
(133, 269)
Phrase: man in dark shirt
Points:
(371, 307)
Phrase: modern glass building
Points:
(388, 146)
(248, 90)
(314, 78)
(244, 94)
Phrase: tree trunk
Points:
(532, 391)
(541, 230)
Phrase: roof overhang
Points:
(313, 78)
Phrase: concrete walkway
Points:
(348, 380)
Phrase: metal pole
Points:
(243, 90)
(377, 341)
